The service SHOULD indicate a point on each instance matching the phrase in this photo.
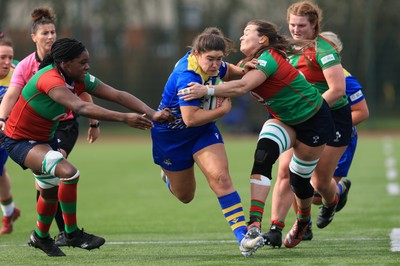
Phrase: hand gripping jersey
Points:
(313, 61)
(35, 115)
(286, 93)
(186, 70)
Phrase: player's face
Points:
(44, 37)
(6, 57)
(250, 42)
(300, 27)
(210, 61)
(77, 68)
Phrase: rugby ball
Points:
(209, 102)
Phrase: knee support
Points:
(72, 178)
(266, 154)
(300, 177)
(47, 181)
(51, 159)
(276, 133)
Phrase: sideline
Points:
(393, 187)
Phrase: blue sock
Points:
(340, 188)
(232, 209)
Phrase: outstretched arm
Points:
(65, 97)
(131, 102)
(248, 82)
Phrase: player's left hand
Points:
(163, 115)
(193, 91)
(93, 134)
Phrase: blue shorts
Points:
(317, 130)
(343, 127)
(173, 149)
(343, 167)
(18, 149)
(3, 159)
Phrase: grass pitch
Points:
(122, 198)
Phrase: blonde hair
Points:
(333, 38)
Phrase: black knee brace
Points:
(301, 186)
(267, 152)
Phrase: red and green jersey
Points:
(313, 61)
(286, 93)
(35, 115)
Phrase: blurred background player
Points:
(10, 212)
(359, 113)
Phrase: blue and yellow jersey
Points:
(186, 70)
(5, 83)
(353, 88)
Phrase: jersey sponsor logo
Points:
(328, 58)
(356, 96)
(262, 63)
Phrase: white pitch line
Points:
(196, 242)
(395, 240)
(393, 189)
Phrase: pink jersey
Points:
(24, 71)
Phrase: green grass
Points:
(122, 198)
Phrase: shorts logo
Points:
(167, 162)
(338, 136)
(315, 139)
(216, 135)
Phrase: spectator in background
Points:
(10, 212)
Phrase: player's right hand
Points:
(138, 121)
